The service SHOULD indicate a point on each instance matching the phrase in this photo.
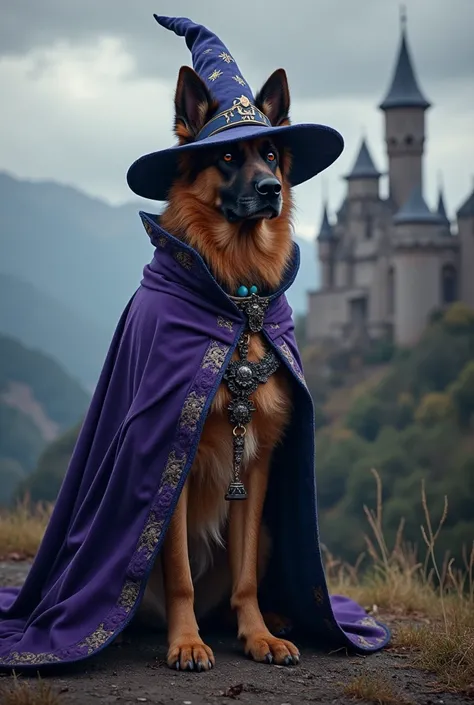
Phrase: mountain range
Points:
(70, 262)
(38, 402)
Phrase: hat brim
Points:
(313, 149)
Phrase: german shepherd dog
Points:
(234, 207)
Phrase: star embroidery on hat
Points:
(226, 57)
(239, 80)
(215, 75)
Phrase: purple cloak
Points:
(166, 360)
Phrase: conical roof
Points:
(364, 167)
(325, 231)
(415, 210)
(404, 91)
(441, 210)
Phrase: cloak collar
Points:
(181, 264)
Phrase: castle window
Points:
(392, 141)
(368, 227)
(449, 284)
(391, 291)
(409, 139)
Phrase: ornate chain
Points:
(243, 378)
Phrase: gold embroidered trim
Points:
(224, 323)
(192, 410)
(213, 359)
(289, 356)
(174, 469)
(184, 259)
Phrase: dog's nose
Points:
(268, 186)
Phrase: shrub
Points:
(462, 392)
(366, 416)
(434, 408)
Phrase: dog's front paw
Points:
(190, 654)
(268, 649)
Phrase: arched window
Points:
(391, 291)
(449, 284)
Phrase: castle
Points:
(386, 264)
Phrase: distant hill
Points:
(85, 259)
(41, 321)
(38, 402)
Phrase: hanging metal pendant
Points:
(236, 489)
(243, 378)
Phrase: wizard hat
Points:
(313, 147)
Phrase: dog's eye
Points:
(228, 157)
(271, 157)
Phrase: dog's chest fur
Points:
(212, 469)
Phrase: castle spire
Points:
(325, 231)
(364, 167)
(404, 91)
(441, 210)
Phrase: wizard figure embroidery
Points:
(206, 339)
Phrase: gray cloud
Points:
(87, 87)
(329, 47)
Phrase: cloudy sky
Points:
(86, 87)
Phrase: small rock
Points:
(234, 691)
(141, 700)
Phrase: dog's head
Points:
(233, 202)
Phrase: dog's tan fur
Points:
(215, 548)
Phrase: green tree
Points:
(462, 392)
(366, 416)
(434, 408)
(45, 482)
(20, 438)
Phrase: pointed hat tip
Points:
(162, 20)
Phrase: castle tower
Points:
(417, 270)
(326, 241)
(404, 107)
(363, 180)
(465, 217)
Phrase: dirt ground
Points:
(136, 672)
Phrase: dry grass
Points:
(431, 606)
(16, 692)
(22, 529)
(439, 600)
(375, 689)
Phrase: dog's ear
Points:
(274, 98)
(193, 105)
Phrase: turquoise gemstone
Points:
(242, 291)
(253, 290)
